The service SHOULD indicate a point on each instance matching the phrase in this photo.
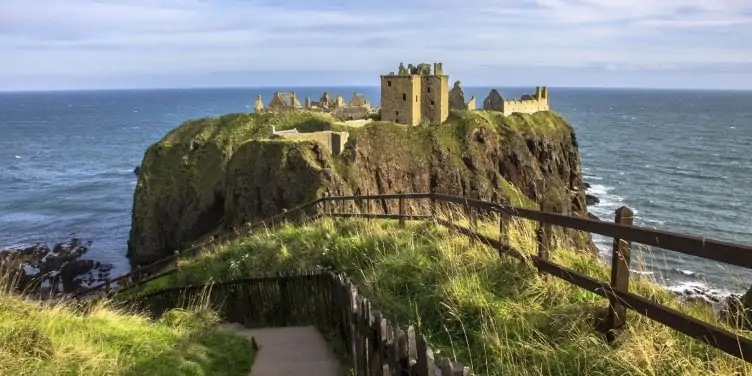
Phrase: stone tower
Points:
(541, 94)
(259, 104)
(435, 93)
(415, 95)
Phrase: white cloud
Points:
(80, 38)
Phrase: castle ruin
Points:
(414, 95)
(457, 99)
(357, 108)
(334, 142)
(527, 104)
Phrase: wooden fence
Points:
(616, 290)
(621, 230)
(328, 301)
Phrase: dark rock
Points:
(137, 170)
(591, 200)
(593, 217)
(734, 313)
(586, 185)
(52, 268)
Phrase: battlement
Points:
(527, 104)
(421, 69)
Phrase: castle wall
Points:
(435, 99)
(400, 100)
(332, 141)
(525, 106)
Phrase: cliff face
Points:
(218, 173)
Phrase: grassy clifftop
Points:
(213, 174)
(496, 314)
(59, 340)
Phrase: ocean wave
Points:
(688, 273)
(697, 289)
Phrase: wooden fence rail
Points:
(616, 290)
(331, 302)
(621, 230)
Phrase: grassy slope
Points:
(498, 315)
(59, 341)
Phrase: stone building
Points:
(325, 103)
(359, 100)
(281, 101)
(414, 95)
(334, 142)
(457, 99)
(527, 104)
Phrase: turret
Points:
(259, 106)
(308, 103)
(294, 99)
(438, 70)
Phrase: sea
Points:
(681, 160)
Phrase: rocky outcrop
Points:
(216, 174)
(41, 269)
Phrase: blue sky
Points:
(81, 44)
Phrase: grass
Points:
(496, 315)
(61, 340)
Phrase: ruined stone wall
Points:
(471, 104)
(332, 141)
(435, 99)
(525, 106)
(400, 100)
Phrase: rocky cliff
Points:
(214, 174)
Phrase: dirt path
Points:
(289, 351)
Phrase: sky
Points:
(90, 44)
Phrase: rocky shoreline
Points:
(49, 271)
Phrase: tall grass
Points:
(58, 338)
(496, 314)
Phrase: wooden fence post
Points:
(402, 212)
(433, 205)
(138, 273)
(474, 219)
(326, 204)
(504, 222)
(425, 361)
(107, 284)
(620, 257)
(177, 259)
(543, 235)
(375, 345)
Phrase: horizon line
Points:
(220, 87)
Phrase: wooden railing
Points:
(621, 230)
(165, 266)
(617, 289)
(331, 302)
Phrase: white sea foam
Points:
(686, 272)
(694, 288)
